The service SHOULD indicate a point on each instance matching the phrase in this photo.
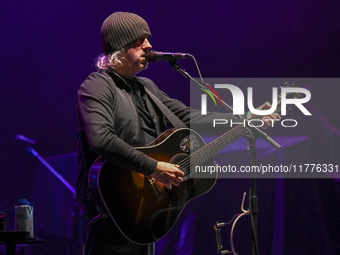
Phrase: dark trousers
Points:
(100, 239)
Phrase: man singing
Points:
(116, 114)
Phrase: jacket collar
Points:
(122, 81)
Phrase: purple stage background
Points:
(48, 48)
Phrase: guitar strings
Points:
(218, 144)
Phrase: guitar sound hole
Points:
(183, 160)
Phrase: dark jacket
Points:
(109, 125)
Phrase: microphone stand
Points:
(252, 195)
(251, 138)
(35, 154)
(257, 131)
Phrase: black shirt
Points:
(147, 126)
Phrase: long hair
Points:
(110, 61)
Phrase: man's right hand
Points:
(168, 174)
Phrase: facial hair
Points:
(134, 59)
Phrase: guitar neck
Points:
(211, 149)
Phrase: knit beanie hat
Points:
(120, 29)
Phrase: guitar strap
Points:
(174, 120)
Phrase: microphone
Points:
(21, 137)
(154, 56)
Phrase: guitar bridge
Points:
(157, 189)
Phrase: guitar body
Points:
(143, 209)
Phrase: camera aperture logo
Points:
(289, 96)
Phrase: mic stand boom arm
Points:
(255, 130)
(35, 154)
